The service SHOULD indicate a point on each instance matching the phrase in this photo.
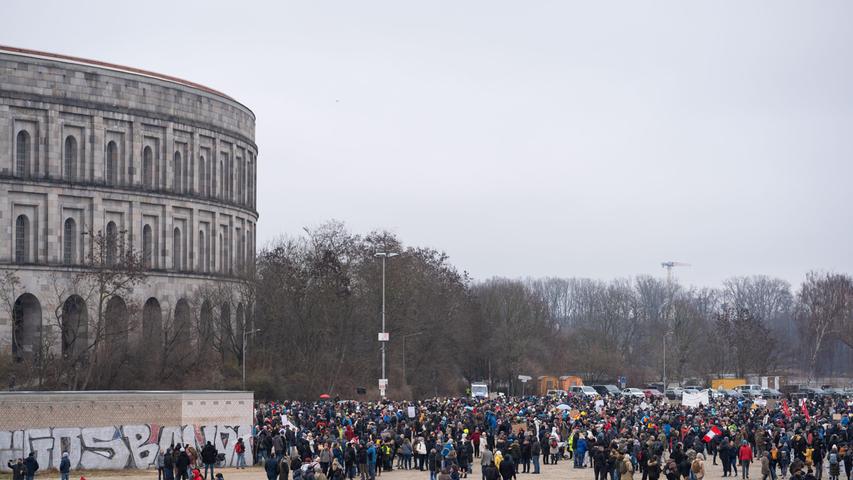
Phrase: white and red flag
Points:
(713, 432)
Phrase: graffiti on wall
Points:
(126, 446)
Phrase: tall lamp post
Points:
(383, 335)
(246, 333)
(664, 361)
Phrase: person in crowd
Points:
(208, 459)
(271, 467)
(18, 469)
(31, 466)
(507, 467)
(744, 455)
(240, 450)
(65, 467)
(182, 465)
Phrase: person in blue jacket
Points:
(580, 450)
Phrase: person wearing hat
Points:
(64, 466)
(182, 464)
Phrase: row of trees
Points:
(319, 300)
(316, 302)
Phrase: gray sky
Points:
(538, 138)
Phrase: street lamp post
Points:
(245, 334)
(664, 361)
(383, 335)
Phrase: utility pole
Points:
(383, 335)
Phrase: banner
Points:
(411, 411)
(695, 400)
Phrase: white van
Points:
(583, 391)
(750, 390)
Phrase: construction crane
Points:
(669, 266)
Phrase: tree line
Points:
(314, 303)
(319, 302)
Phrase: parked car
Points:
(812, 392)
(583, 391)
(652, 393)
(715, 393)
(607, 390)
(835, 392)
(556, 393)
(749, 390)
(633, 392)
(656, 386)
(690, 391)
(770, 393)
(674, 393)
(732, 394)
(694, 387)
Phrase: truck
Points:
(479, 390)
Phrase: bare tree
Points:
(824, 304)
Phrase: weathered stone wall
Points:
(111, 430)
(93, 145)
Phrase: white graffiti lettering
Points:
(118, 447)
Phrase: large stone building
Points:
(91, 150)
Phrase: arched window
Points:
(222, 177)
(70, 157)
(201, 251)
(112, 243)
(250, 195)
(176, 249)
(112, 164)
(209, 252)
(148, 168)
(22, 239)
(147, 247)
(201, 181)
(69, 241)
(22, 154)
(221, 255)
(177, 171)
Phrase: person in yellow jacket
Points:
(498, 458)
(571, 443)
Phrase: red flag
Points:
(711, 434)
(786, 409)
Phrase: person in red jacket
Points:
(744, 454)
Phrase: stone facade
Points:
(120, 429)
(90, 147)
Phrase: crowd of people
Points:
(616, 438)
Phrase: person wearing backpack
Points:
(834, 463)
(626, 467)
(554, 448)
(698, 467)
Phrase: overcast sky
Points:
(533, 138)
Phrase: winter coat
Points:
(208, 454)
(271, 468)
(64, 465)
(507, 467)
(744, 453)
(17, 470)
(31, 464)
